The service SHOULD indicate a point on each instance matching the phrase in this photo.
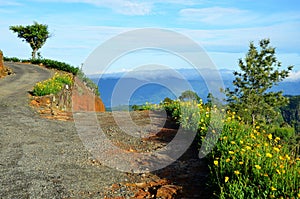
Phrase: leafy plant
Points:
(53, 85)
(47, 63)
(249, 162)
(35, 35)
(260, 71)
(88, 82)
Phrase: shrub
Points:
(53, 85)
(12, 59)
(47, 63)
(88, 82)
(172, 108)
(284, 133)
(249, 162)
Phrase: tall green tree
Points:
(259, 72)
(36, 35)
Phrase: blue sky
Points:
(223, 28)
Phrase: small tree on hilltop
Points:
(252, 98)
(189, 95)
(36, 35)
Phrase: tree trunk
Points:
(253, 119)
(33, 54)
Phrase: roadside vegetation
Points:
(53, 85)
(257, 152)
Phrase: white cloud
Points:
(216, 15)
(9, 3)
(125, 7)
(220, 16)
(129, 7)
(294, 76)
(285, 37)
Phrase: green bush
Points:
(284, 133)
(88, 82)
(249, 162)
(53, 85)
(47, 63)
(172, 108)
(11, 59)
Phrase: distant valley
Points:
(151, 86)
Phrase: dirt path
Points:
(41, 158)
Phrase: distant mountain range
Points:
(139, 87)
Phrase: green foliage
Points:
(35, 35)
(189, 96)
(251, 98)
(56, 65)
(48, 63)
(249, 162)
(171, 107)
(291, 112)
(88, 82)
(285, 133)
(12, 59)
(53, 85)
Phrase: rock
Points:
(1, 61)
(34, 103)
(142, 194)
(45, 100)
(3, 71)
(141, 185)
(168, 191)
(84, 100)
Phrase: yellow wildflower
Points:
(287, 157)
(281, 158)
(266, 175)
(248, 147)
(241, 163)
(216, 162)
(227, 160)
(266, 144)
(257, 167)
(273, 188)
(270, 136)
(276, 149)
(269, 155)
(277, 138)
(226, 178)
(277, 170)
(237, 172)
(232, 142)
(230, 152)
